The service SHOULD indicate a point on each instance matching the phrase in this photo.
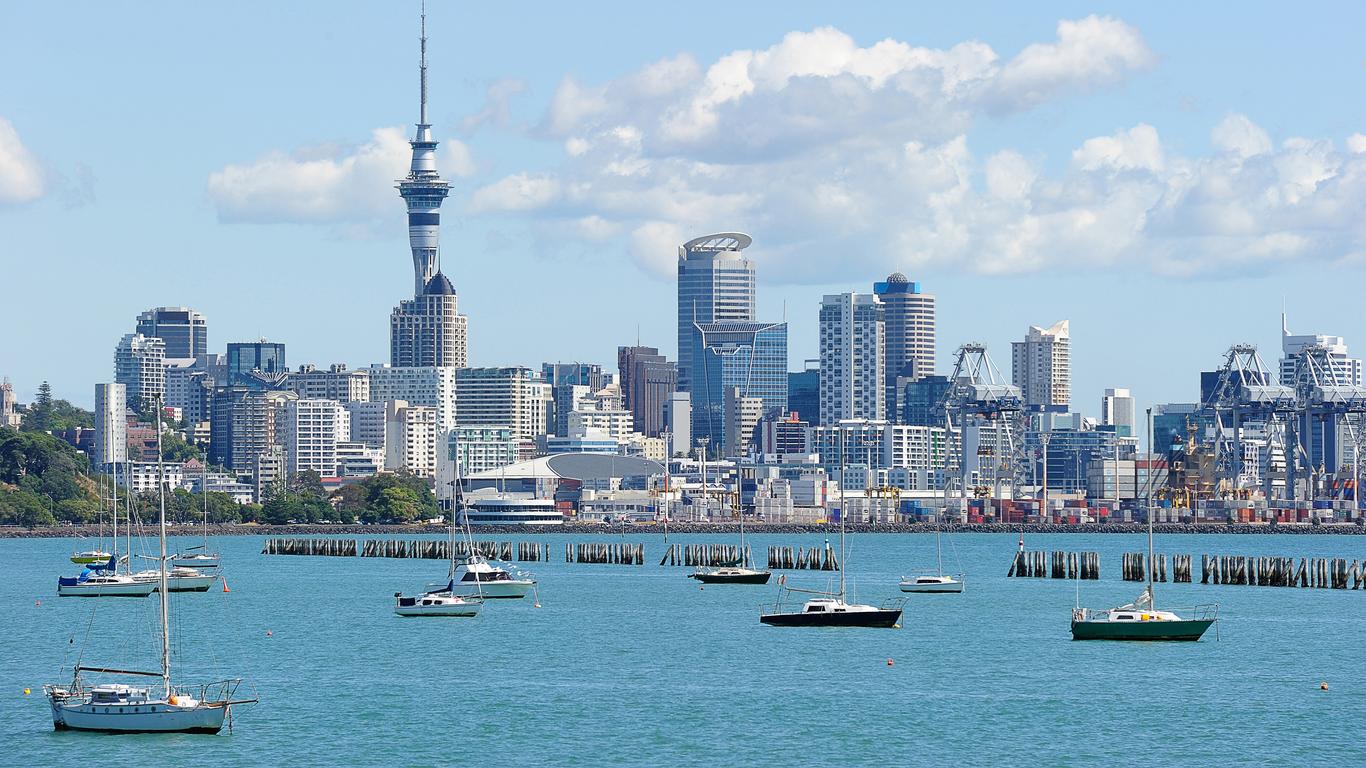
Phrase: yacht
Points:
(123, 708)
(199, 555)
(830, 609)
(932, 583)
(438, 602)
(180, 579)
(448, 599)
(740, 572)
(90, 557)
(103, 581)
(474, 575)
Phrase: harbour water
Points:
(638, 665)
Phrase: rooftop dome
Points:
(897, 277)
(439, 285)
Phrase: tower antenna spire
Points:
(423, 65)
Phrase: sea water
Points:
(639, 665)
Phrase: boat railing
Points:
(226, 692)
(893, 604)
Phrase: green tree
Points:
(19, 507)
(45, 414)
(174, 447)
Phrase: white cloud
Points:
(21, 177)
(1135, 149)
(1090, 52)
(1356, 143)
(326, 183)
(519, 192)
(1239, 135)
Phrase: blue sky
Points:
(1165, 180)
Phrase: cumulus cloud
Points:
(325, 183)
(21, 176)
(1240, 136)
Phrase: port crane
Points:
(979, 395)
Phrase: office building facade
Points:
(749, 356)
(1041, 366)
(715, 285)
(909, 315)
(183, 331)
(853, 358)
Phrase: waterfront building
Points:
(1041, 366)
(256, 364)
(355, 459)
(410, 438)
(804, 392)
(582, 441)
(111, 424)
(433, 386)
(512, 396)
(781, 434)
(1117, 410)
(268, 473)
(615, 423)
(183, 331)
(309, 430)
(909, 315)
(647, 380)
(750, 356)
(715, 285)
(853, 362)
(139, 365)
(335, 383)
(479, 448)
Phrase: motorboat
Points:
(476, 576)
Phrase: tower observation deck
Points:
(423, 189)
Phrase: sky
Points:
(1167, 181)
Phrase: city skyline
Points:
(354, 266)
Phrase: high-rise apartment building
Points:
(715, 285)
(750, 356)
(853, 358)
(434, 387)
(742, 416)
(410, 438)
(139, 365)
(647, 380)
(184, 331)
(367, 423)
(513, 396)
(1041, 366)
(335, 383)
(427, 330)
(910, 337)
(309, 430)
(243, 427)
(1117, 410)
(111, 424)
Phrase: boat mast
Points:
(115, 519)
(1148, 505)
(162, 590)
(842, 515)
(204, 491)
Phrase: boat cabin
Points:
(117, 693)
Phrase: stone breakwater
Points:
(15, 532)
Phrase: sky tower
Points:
(423, 189)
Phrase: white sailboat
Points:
(123, 708)
(104, 580)
(98, 554)
(447, 599)
(934, 582)
(199, 556)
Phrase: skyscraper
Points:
(184, 331)
(910, 322)
(139, 365)
(111, 424)
(853, 358)
(427, 330)
(804, 392)
(715, 285)
(258, 364)
(1041, 366)
(749, 356)
(647, 380)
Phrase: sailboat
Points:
(98, 554)
(202, 558)
(103, 579)
(830, 609)
(739, 572)
(936, 582)
(1141, 619)
(445, 599)
(123, 708)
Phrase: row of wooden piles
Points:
(708, 555)
(1133, 567)
(324, 547)
(622, 553)
(1056, 565)
(814, 559)
(1316, 572)
(415, 549)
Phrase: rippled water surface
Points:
(637, 665)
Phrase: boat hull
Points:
(932, 588)
(90, 558)
(496, 590)
(745, 578)
(194, 562)
(1185, 630)
(126, 589)
(884, 619)
(150, 718)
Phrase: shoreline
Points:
(654, 529)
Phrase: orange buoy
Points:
(225, 586)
